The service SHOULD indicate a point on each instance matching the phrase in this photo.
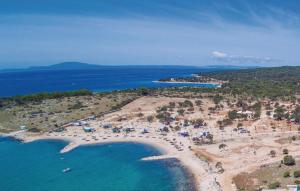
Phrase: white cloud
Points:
(218, 54)
(50, 39)
(240, 59)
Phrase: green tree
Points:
(232, 115)
(279, 113)
(289, 160)
(297, 173)
(274, 185)
(285, 151)
(296, 114)
(286, 174)
(217, 99)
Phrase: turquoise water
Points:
(38, 166)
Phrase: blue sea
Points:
(98, 80)
(37, 166)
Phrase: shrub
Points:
(150, 118)
(222, 146)
(143, 91)
(232, 114)
(198, 102)
(224, 122)
(162, 109)
(217, 99)
(297, 174)
(285, 151)
(274, 185)
(77, 105)
(34, 130)
(297, 114)
(297, 182)
(180, 111)
(198, 123)
(164, 117)
(288, 160)
(219, 167)
(286, 174)
(42, 96)
(210, 137)
(279, 113)
(272, 153)
(172, 104)
(186, 103)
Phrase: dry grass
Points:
(242, 181)
(53, 113)
(265, 175)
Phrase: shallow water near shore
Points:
(38, 166)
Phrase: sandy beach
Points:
(212, 166)
(165, 144)
(179, 82)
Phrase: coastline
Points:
(242, 150)
(195, 168)
(171, 144)
(181, 177)
(218, 85)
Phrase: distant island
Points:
(67, 66)
(73, 65)
(60, 66)
(84, 66)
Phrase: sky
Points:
(150, 32)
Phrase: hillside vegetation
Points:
(49, 111)
(260, 82)
(46, 111)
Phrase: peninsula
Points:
(195, 79)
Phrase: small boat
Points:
(66, 170)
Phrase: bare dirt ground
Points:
(245, 150)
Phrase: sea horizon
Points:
(101, 80)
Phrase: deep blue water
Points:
(38, 166)
(105, 79)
